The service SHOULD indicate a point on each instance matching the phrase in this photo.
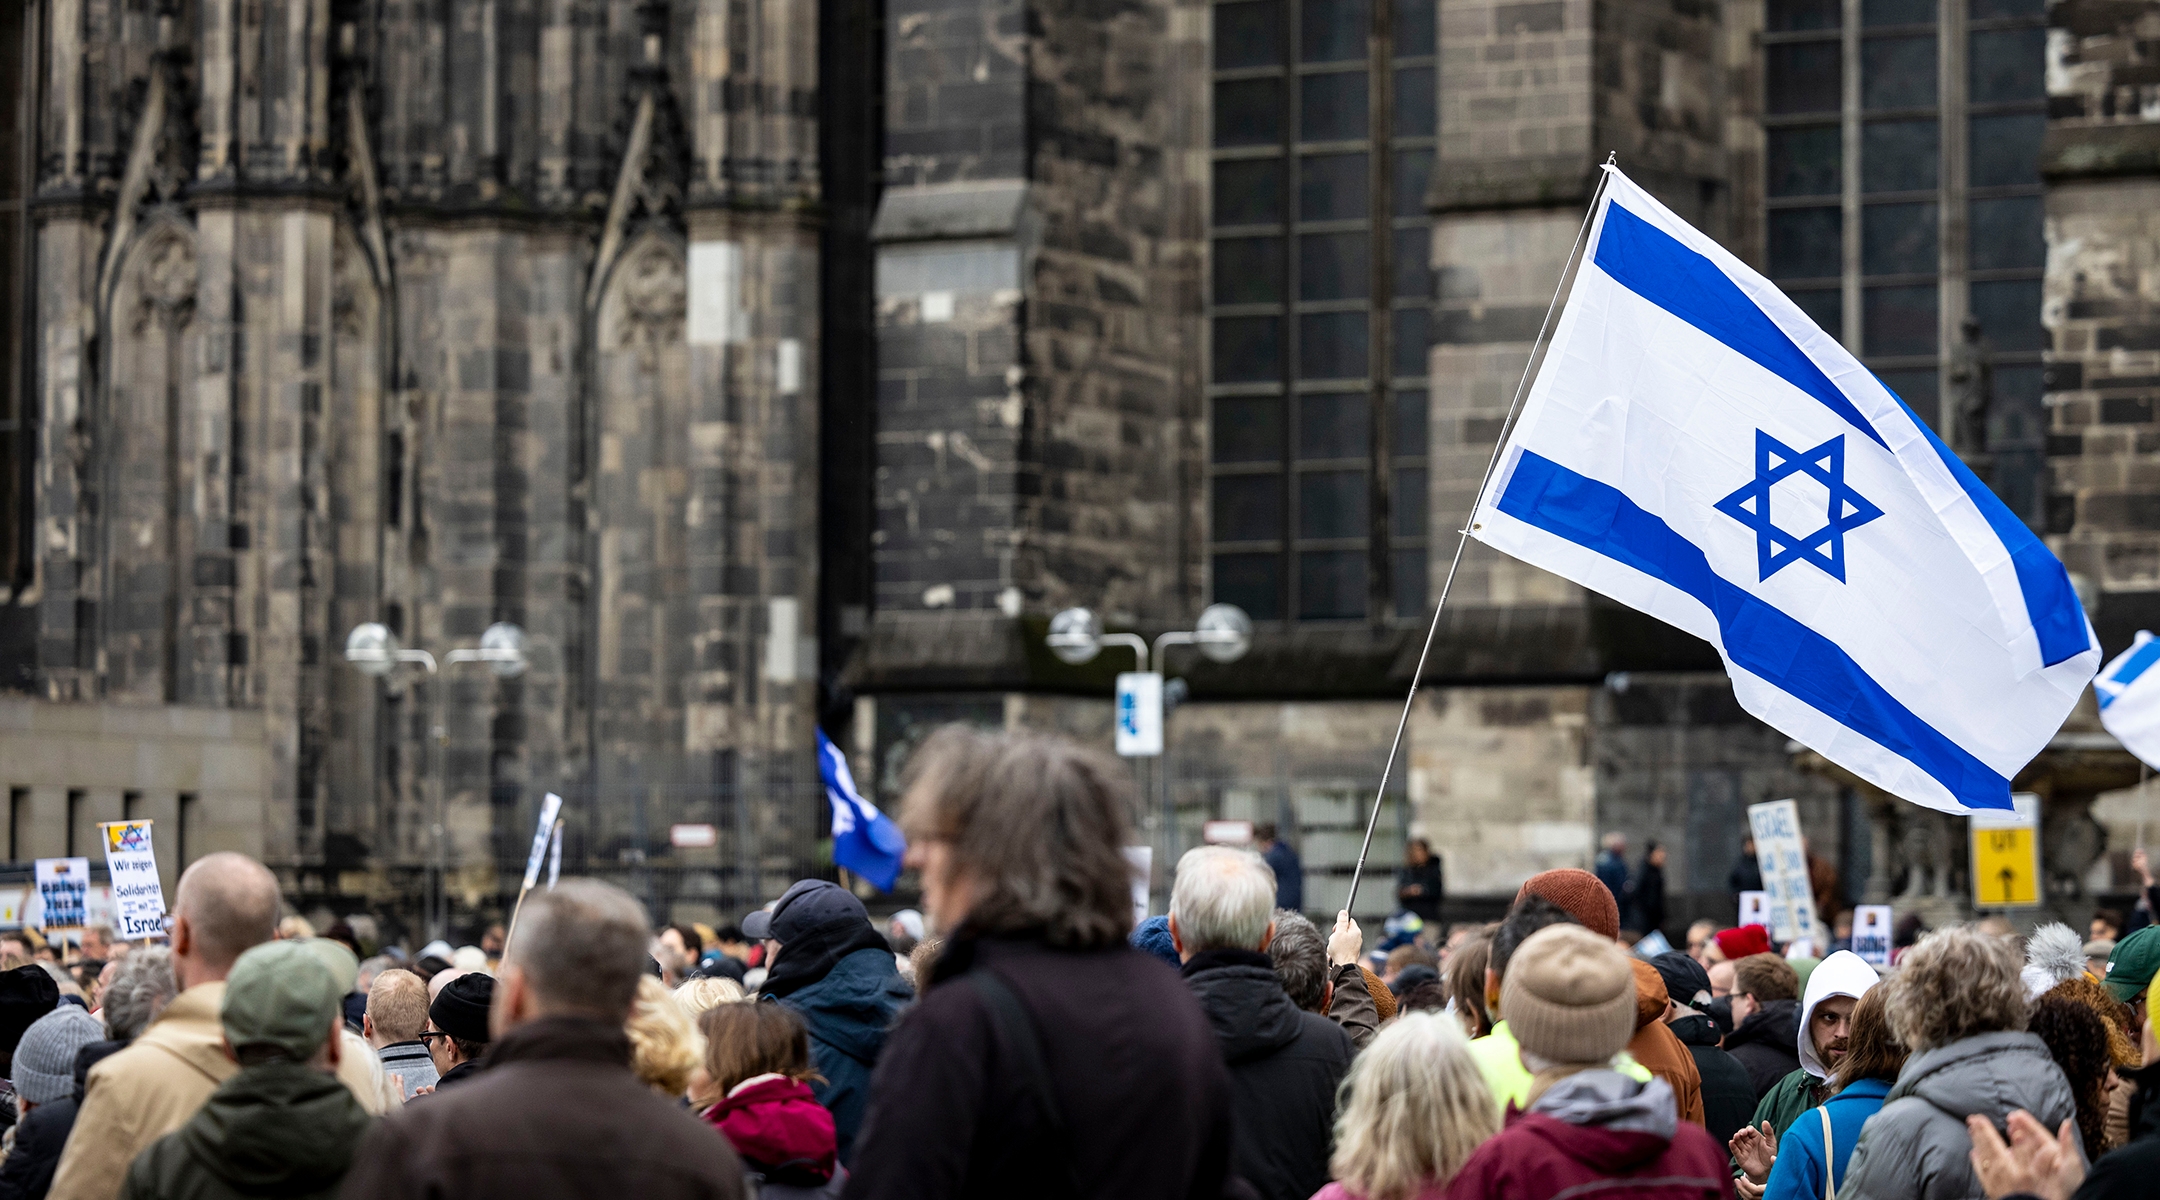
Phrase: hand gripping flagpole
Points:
(1462, 538)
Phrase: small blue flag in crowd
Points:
(2129, 691)
(1696, 447)
(864, 840)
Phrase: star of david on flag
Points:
(1774, 547)
(1695, 447)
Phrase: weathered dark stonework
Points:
(387, 317)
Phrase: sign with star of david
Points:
(1775, 547)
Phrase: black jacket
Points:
(1135, 1072)
(39, 1137)
(43, 1132)
(1768, 1044)
(1285, 1065)
(556, 1115)
(1728, 1095)
(1427, 877)
(1646, 899)
(849, 1010)
(275, 1129)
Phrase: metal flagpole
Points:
(1462, 538)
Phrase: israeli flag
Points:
(2129, 692)
(864, 840)
(1693, 446)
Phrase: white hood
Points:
(1841, 974)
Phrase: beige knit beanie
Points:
(1569, 996)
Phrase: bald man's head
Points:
(229, 903)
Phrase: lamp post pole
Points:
(1223, 633)
(373, 650)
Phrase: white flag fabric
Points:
(1694, 447)
(2129, 692)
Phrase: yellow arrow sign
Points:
(2006, 868)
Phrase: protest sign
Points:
(138, 896)
(63, 886)
(14, 906)
(1755, 909)
(2006, 854)
(1783, 860)
(1871, 934)
(555, 854)
(548, 808)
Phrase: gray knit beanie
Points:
(1569, 996)
(45, 1058)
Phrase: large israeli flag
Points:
(1695, 447)
(2129, 693)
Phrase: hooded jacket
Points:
(279, 1129)
(1285, 1065)
(1728, 1095)
(1597, 1132)
(849, 1010)
(1917, 1147)
(781, 1132)
(1764, 1044)
(1655, 1047)
(1842, 974)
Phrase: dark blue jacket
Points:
(849, 1012)
(1289, 876)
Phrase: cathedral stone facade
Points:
(774, 365)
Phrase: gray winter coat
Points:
(1917, 1147)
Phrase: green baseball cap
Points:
(2132, 965)
(281, 994)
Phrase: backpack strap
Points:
(1829, 1156)
(1017, 1030)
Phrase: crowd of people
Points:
(1018, 1036)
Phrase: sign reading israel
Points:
(1695, 447)
(138, 896)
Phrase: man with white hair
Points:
(1284, 1063)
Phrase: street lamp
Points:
(1223, 634)
(374, 651)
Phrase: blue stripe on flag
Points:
(1757, 636)
(1655, 265)
(2140, 659)
(2051, 604)
(1661, 269)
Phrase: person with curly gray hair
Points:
(142, 984)
(1957, 1003)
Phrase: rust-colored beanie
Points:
(1580, 895)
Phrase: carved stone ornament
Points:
(166, 278)
(655, 296)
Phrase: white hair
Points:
(1223, 900)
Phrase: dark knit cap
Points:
(1684, 977)
(1580, 895)
(462, 1009)
(26, 993)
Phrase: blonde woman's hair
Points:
(697, 995)
(1412, 1110)
(665, 1045)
